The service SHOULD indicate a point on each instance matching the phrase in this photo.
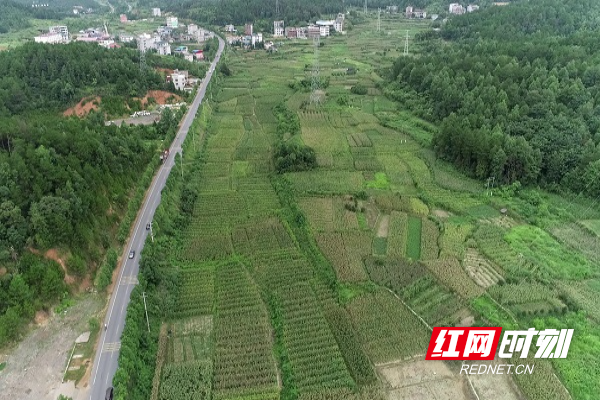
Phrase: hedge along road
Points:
(107, 355)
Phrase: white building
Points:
(172, 22)
(256, 38)
(63, 31)
(163, 48)
(146, 42)
(125, 38)
(156, 12)
(49, 38)
(472, 7)
(456, 8)
(179, 79)
(338, 25)
(278, 29)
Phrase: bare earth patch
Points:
(52, 254)
(419, 379)
(441, 213)
(34, 368)
(161, 97)
(80, 109)
(384, 225)
(496, 387)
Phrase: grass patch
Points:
(379, 246)
(380, 182)
(548, 258)
(413, 244)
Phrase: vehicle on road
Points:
(131, 254)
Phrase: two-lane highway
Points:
(107, 354)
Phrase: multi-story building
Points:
(179, 79)
(278, 29)
(172, 22)
(338, 24)
(291, 32)
(62, 30)
(163, 48)
(49, 38)
(192, 29)
(313, 31)
(156, 12)
(146, 42)
(456, 8)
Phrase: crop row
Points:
(312, 349)
(195, 292)
(388, 330)
(430, 300)
(243, 339)
(450, 273)
(186, 381)
(429, 240)
(397, 236)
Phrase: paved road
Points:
(105, 362)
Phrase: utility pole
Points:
(146, 310)
(181, 162)
(406, 45)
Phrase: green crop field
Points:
(310, 278)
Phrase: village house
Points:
(278, 29)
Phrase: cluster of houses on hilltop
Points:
(320, 28)
(55, 35)
(248, 39)
(454, 8)
(162, 38)
(458, 9)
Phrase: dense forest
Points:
(65, 183)
(50, 77)
(517, 92)
(15, 16)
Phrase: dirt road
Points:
(34, 368)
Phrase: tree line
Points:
(516, 90)
(64, 182)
